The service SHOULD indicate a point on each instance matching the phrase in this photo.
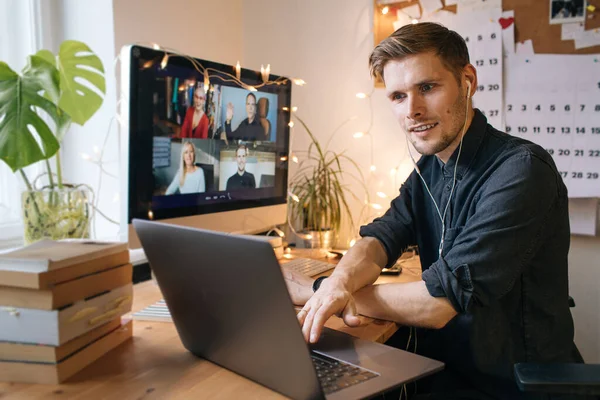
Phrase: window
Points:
(18, 39)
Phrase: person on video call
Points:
(489, 214)
(195, 123)
(242, 179)
(189, 178)
(250, 128)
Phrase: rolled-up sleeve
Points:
(395, 229)
(483, 259)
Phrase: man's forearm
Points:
(361, 265)
(405, 303)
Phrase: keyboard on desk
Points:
(308, 266)
(335, 375)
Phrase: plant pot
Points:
(319, 239)
(56, 214)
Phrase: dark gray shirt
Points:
(504, 260)
(237, 181)
(249, 131)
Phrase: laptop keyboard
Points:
(308, 266)
(336, 375)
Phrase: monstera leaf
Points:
(76, 63)
(19, 96)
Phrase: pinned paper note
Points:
(430, 6)
(570, 31)
(587, 38)
(478, 5)
(384, 2)
(525, 48)
(507, 22)
(414, 12)
(583, 216)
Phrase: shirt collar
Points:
(471, 143)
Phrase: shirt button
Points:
(448, 187)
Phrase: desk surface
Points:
(154, 364)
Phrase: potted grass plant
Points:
(319, 194)
(37, 107)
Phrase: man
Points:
(250, 128)
(489, 214)
(242, 179)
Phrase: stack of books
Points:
(61, 304)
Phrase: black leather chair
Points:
(579, 379)
(209, 176)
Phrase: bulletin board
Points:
(531, 22)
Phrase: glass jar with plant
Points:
(320, 195)
(37, 108)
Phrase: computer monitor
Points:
(210, 156)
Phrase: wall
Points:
(327, 43)
(205, 29)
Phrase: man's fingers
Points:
(321, 316)
(302, 316)
(307, 325)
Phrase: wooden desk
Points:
(155, 365)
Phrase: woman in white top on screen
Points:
(189, 178)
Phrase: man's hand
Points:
(299, 286)
(332, 298)
(229, 113)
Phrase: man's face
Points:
(427, 102)
(241, 159)
(199, 100)
(250, 107)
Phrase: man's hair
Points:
(241, 146)
(251, 94)
(420, 38)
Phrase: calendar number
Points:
(577, 175)
(563, 173)
(579, 153)
(564, 152)
(567, 108)
(595, 131)
(580, 130)
(550, 151)
(566, 130)
(536, 129)
(552, 107)
(594, 153)
(493, 87)
(551, 130)
(597, 108)
(592, 175)
(522, 129)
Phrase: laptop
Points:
(230, 305)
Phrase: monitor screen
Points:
(194, 147)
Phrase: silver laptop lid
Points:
(230, 305)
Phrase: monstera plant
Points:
(37, 108)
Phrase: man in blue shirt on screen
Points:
(489, 214)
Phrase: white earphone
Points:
(443, 217)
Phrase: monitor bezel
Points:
(138, 197)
